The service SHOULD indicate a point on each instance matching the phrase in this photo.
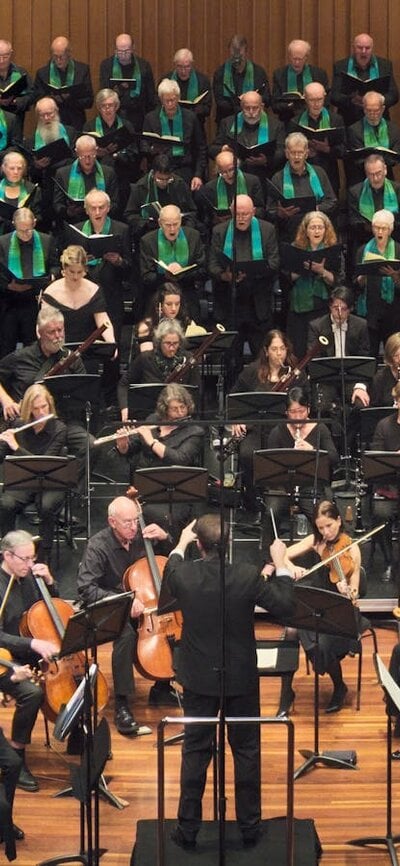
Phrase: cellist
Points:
(19, 592)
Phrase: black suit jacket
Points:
(350, 112)
(50, 258)
(356, 342)
(132, 108)
(196, 586)
(203, 109)
(72, 110)
(284, 110)
(226, 105)
(149, 251)
(62, 204)
(193, 162)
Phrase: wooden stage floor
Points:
(343, 803)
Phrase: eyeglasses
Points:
(129, 521)
(170, 344)
(24, 559)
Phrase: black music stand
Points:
(142, 399)
(98, 623)
(289, 468)
(172, 484)
(392, 693)
(323, 612)
(222, 345)
(95, 355)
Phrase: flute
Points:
(112, 436)
(42, 420)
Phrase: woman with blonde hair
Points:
(46, 438)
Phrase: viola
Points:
(341, 565)
(46, 620)
(157, 632)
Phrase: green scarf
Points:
(222, 192)
(38, 141)
(366, 203)
(256, 240)
(177, 129)
(373, 67)
(102, 129)
(14, 263)
(76, 184)
(193, 85)
(15, 76)
(177, 251)
(87, 230)
(315, 183)
(324, 120)
(292, 85)
(262, 131)
(375, 136)
(248, 81)
(118, 72)
(54, 74)
(152, 194)
(387, 284)
(305, 289)
(3, 130)
(23, 192)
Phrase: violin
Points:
(46, 620)
(341, 565)
(157, 632)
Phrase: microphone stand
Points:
(318, 448)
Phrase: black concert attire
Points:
(394, 670)
(382, 386)
(328, 203)
(202, 109)
(277, 499)
(74, 211)
(142, 219)
(280, 85)
(193, 161)
(149, 367)
(45, 176)
(8, 133)
(254, 293)
(124, 161)
(72, 107)
(360, 216)
(134, 105)
(355, 139)
(79, 322)
(307, 300)
(249, 136)
(385, 499)
(20, 104)
(153, 276)
(226, 93)
(49, 442)
(35, 204)
(207, 198)
(10, 766)
(382, 316)
(28, 696)
(327, 161)
(343, 100)
(19, 309)
(196, 587)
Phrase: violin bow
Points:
(343, 550)
(6, 595)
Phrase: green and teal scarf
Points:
(3, 130)
(373, 67)
(375, 136)
(256, 240)
(118, 72)
(177, 129)
(38, 140)
(292, 85)
(99, 127)
(324, 120)
(76, 184)
(193, 85)
(176, 251)
(14, 262)
(315, 183)
(55, 78)
(305, 289)
(366, 203)
(262, 131)
(222, 192)
(229, 85)
(23, 192)
(87, 230)
(387, 284)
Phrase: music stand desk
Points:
(97, 623)
(355, 368)
(284, 466)
(369, 418)
(256, 405)
(72, 392)
(172, 484)
(39, 473)
(142, 399)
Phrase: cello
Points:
(157, 632)
(47, 620)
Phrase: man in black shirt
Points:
(68, 81)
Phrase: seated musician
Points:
(168, 303)
(385, 379)
(386, 495)
(343, 577)
(27, 254)
(298, 432)
(275, 360)
(10, 767)
(109, 553)
(19, 562)
(47, 438)
(159, 363)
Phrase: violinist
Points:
(47, 438)
(107, 556)
(342, 575)
(19, 564)
(275, 360)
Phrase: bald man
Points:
(293, 78)
(255, 240)
(364, 64)
(315, 115)
(178, 247)
(19, 104)
(192, 84)
(215, 197)
(255, 127)
(73, 182)
(68, 81)
(132, 78)
(236, 76)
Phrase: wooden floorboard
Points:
(343, 803)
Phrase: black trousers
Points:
(244, 740)
(123, 654)
(49, 505)
(29, 698)
(10, 766)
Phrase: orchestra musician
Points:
(19, 563)
(168, 303)
(385, 498)
(343, 576)
(385, 379)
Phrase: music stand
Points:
(392, 693)
(290, 468)
(95, 355)
(172, 484)
(356, 368)
(142, 399)
(323, 612)
(222, 345)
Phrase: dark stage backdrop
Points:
(159, 27)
